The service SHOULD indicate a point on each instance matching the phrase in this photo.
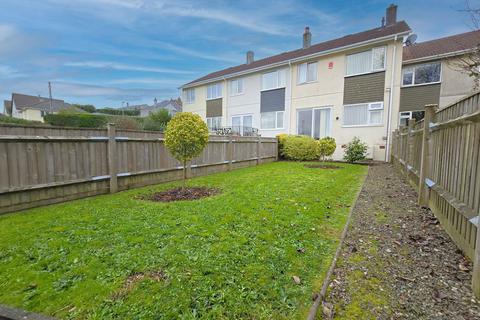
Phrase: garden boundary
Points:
(45, 165)
(440, 155)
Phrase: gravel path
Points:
(397, 262)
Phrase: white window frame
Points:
(218, 85)
(313, 119)
(307, 65)
(237, 93)
(276, 120)
(279, 83)
(212, 119)
(370, 108)
(372, 69)
(411, 69)
(190, 98)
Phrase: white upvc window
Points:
(273, 80)
(405, 116)
(214, 91)
(307, 72)
(422, 74)
(365, 62)
(363, 114)
(214, 123)
(190, 95)
(314, 122)
(271, 120)
(236, 87)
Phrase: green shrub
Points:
(129, 123)
(85, 107)
(78, 120)
(300, 148)
(12, 120)
(157, 121)
(326, 147)
(281, 142)
(356, 150)
(119, 112)
(185, 137)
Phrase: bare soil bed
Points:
(176, 194)
(397, 262)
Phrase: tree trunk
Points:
(184, 184)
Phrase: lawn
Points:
(229, 256)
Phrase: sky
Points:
(110, 52)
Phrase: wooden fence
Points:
(441, 157)
(40, 165)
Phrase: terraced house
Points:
(341, 88)
(432, 73)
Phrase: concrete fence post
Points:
(410, 146)
(426, 155)
(112, 157)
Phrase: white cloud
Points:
(124, 67)
(151, 81)
(197, 53)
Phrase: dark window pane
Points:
(427, 73)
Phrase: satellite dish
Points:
(411, 39)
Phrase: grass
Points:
(228, 256)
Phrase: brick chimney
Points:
(391, 16)
(250, 56)
(307, 38)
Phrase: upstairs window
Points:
(214, 91)
(367, 61)
(236, 87)
(273, 80)
(421, 74)
(190, 95)
(307, 72)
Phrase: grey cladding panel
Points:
(272, 100)
(214, 108)
(416, 97)
(364, 88)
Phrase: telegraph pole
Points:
(50, 94)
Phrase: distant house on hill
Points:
(172, 106)
(28, 107)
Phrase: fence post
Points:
(259, 148)
(476, 265)
(276, 149)
(112, 157)
(409, 157)
(230, 152)
(394, 153)
(426, 154)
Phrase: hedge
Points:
(77, 120)
(299, 148)
(12, 120)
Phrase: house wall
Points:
(414, 98)
(32, 114)
(329, 90)
(455, 84)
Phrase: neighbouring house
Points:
(431, 75)
(33, 107)
(341, 88)
(172, 106)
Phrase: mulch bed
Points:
(322, 166)
(399, 249)
(190, 193)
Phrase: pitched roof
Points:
(23, 101)
(442, 46)
(352, 39)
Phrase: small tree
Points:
(185, 137)
(157, 121)
(326, 147)
(356, 150)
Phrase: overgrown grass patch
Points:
(223, 257)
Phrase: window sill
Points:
(362, 125)
(420, 85)
(208, 99)
(270, 89)
(308, 82)
(364, 73)
(237, 94)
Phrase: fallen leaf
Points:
(296, 279)
(327, 309)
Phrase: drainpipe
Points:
(225, 100)
(390, 102)
(289, 129)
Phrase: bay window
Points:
(421, 74)
(363, 114)
(367, 61)
(214, 91)
(307, 72)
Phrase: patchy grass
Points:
(232, 255)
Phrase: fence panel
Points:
(43, 165)
(449, 142)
